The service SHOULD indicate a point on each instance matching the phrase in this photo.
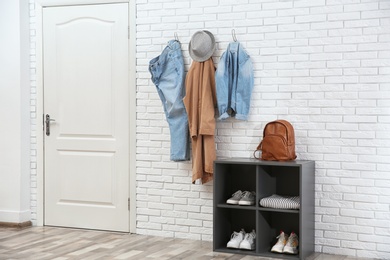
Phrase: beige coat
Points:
(200, 102)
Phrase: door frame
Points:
(39, 5)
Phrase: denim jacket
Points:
(234, 83)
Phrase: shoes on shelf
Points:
(286, 244)
(242, 240)
(248, 198)
(236, 197)
(291, 246)
(235, 239)
(245, 198)
(282, 241)
(248, 243)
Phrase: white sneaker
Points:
(235, 198)
(236, 239)
(249, 241)
(248, 198)
(282, 240)
(291, 246)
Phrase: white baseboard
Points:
(8, 216)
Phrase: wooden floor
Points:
(63, 243)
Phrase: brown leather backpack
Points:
(278, 142)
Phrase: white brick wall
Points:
(33, 115)
(323, 65)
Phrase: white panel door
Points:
(86, 93)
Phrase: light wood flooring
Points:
(64, 243)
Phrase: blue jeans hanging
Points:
(167, 72)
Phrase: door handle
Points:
(47, 122)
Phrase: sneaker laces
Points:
(292, 240)
(237, 194)
(252, 234)
(246, 194)
(236, 235)
(281, 238)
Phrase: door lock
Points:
(47, 122)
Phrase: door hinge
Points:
(128, 204)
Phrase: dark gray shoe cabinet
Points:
(266, 178)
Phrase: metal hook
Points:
(176, 37)
(234, 35)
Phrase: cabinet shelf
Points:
(279, 210)
(256, 253)
(295, 178)
(224, 205)
(236, 251)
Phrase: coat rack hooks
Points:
(234, 35)
(176, 37)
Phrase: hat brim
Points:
(208, 54)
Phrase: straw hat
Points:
(202, 46)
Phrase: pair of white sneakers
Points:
(286, 244)
(246, 198)
(242, 240)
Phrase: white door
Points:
(86, 93)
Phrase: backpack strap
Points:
(258, 149)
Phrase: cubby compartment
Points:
(282, 181)
(294, 178)
(271, 223)
(228, 220)
(236, 177)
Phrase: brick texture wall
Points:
(34, 116)
(323, 65)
